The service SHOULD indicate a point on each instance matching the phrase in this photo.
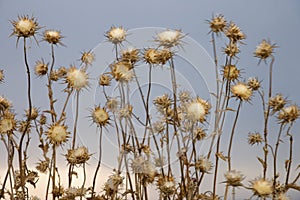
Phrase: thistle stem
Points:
(275, 155)
(289, 161)
(230, 145)
(54, 170)
(49, 86)
(22, 169)
(267, 114)
(99, 162)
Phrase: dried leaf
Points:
(213, 94)
(230, 109)
(221, 156)
(287, 163)
(262, 162)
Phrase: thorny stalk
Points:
(71, 167)
(53, 170)
(266, 121)
(98, 164)
(20, 147)
(175, 119)
(49, 86)
(84, 178)
(289, 161)
(275, 175)
(231, 143)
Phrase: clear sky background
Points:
(83, 23)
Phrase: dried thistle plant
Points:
(146, 142)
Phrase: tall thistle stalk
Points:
(266, 117)
(264, 51)
(22, 164)
(98, 164)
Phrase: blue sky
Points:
(83, 23)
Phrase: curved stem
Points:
(71, 167)
(84, 179)
(62, 115)
(147, 102)
(99, 162)
(275, 155)
(54, 169)
(221, 119)
(289, 161)
(10, 151)
(76, 121)
(231, 143)
(217, 102)
(267, 114)
(232, 135)
(22, 169)
(175, 119)
(49, 86)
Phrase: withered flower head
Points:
(203, 164)
(262, 187)
(41, 68)
(25, 26)
(100, 116)
(77, 78)
(116, 35)
(234, 178)
(58, 191)
(234, 33)
(7, 122)
(241, 91)
(130, 55)
(254, 138)
(277, 102)
(232, 49)
(54, 75)
(121, 71)
(164, 55)
(78, 156)
(24, 127)
(57, 134)
(87, 57)
(166, 185)
(199, 133)
(264, 50)
(253, 83)
(162, 102)
(126, 111)
(43, 166)
(104, 80)
(52, 37)
(5, 104)
(231, 72)
(217, 24)
(184, 96)
(43, 119)
(114, 181)
(169, 38)
(62, 72)
(112, 104)
(197, 109)
(289, 114)
(34, 113)
(152, 56)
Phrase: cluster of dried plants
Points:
(145, 156)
